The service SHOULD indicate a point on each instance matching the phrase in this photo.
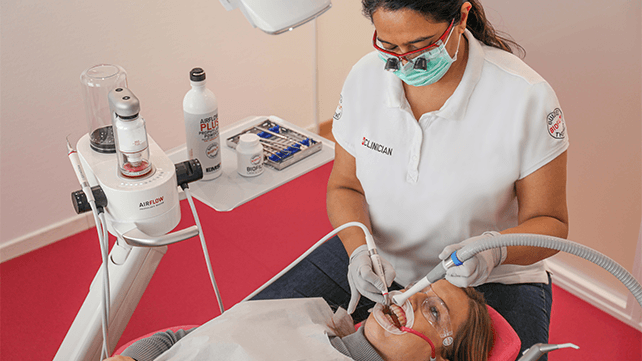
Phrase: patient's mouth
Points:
(396, 315)
(394, 318)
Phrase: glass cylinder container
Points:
(96, 83)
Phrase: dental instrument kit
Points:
(282, 146)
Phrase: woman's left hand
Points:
(476, 270)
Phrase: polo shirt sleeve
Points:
(343, 125)
(544, 135)
(345, 121)
(341, 128)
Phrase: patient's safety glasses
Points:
(393, 59)
(436, 313)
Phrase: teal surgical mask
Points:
(421, 68)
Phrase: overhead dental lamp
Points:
(278, 16)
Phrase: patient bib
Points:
(290, 329)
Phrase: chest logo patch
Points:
(376, 146)
(555, 124)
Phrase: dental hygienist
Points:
(443, 136)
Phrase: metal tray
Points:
(282, 146)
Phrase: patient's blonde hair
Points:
(474, 339)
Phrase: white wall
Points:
(47, 44)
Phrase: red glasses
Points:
(408, 56)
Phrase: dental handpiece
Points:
(377, 266)
(539, 349)
(80, 173)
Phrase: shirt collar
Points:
(455, 106)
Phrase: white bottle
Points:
(200, 110)
(249, 155)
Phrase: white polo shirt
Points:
(451, 175)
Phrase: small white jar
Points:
(249, 155)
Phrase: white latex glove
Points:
(363, 280)
(476, 270)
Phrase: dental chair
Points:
(506, 343)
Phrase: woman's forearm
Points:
(525, 255)
(542, 210)
(348, 205)
(346, 200)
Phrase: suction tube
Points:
(534, 240)
(437, 273)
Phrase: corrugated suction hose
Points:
(559, 244)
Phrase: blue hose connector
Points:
(456, 261)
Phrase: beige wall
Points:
(344, 37)
(591, 54)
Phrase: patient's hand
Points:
(119, 358)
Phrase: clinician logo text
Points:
(376, 146)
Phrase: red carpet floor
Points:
(41, 292)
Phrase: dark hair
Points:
(474, 339)
(445, 11)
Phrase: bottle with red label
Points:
(200, 110)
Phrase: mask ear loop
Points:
(433, 354)
(458, 43)
(457, 51)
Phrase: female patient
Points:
(442, 323)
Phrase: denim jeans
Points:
(323, 273)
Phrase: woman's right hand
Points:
(364, 281)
